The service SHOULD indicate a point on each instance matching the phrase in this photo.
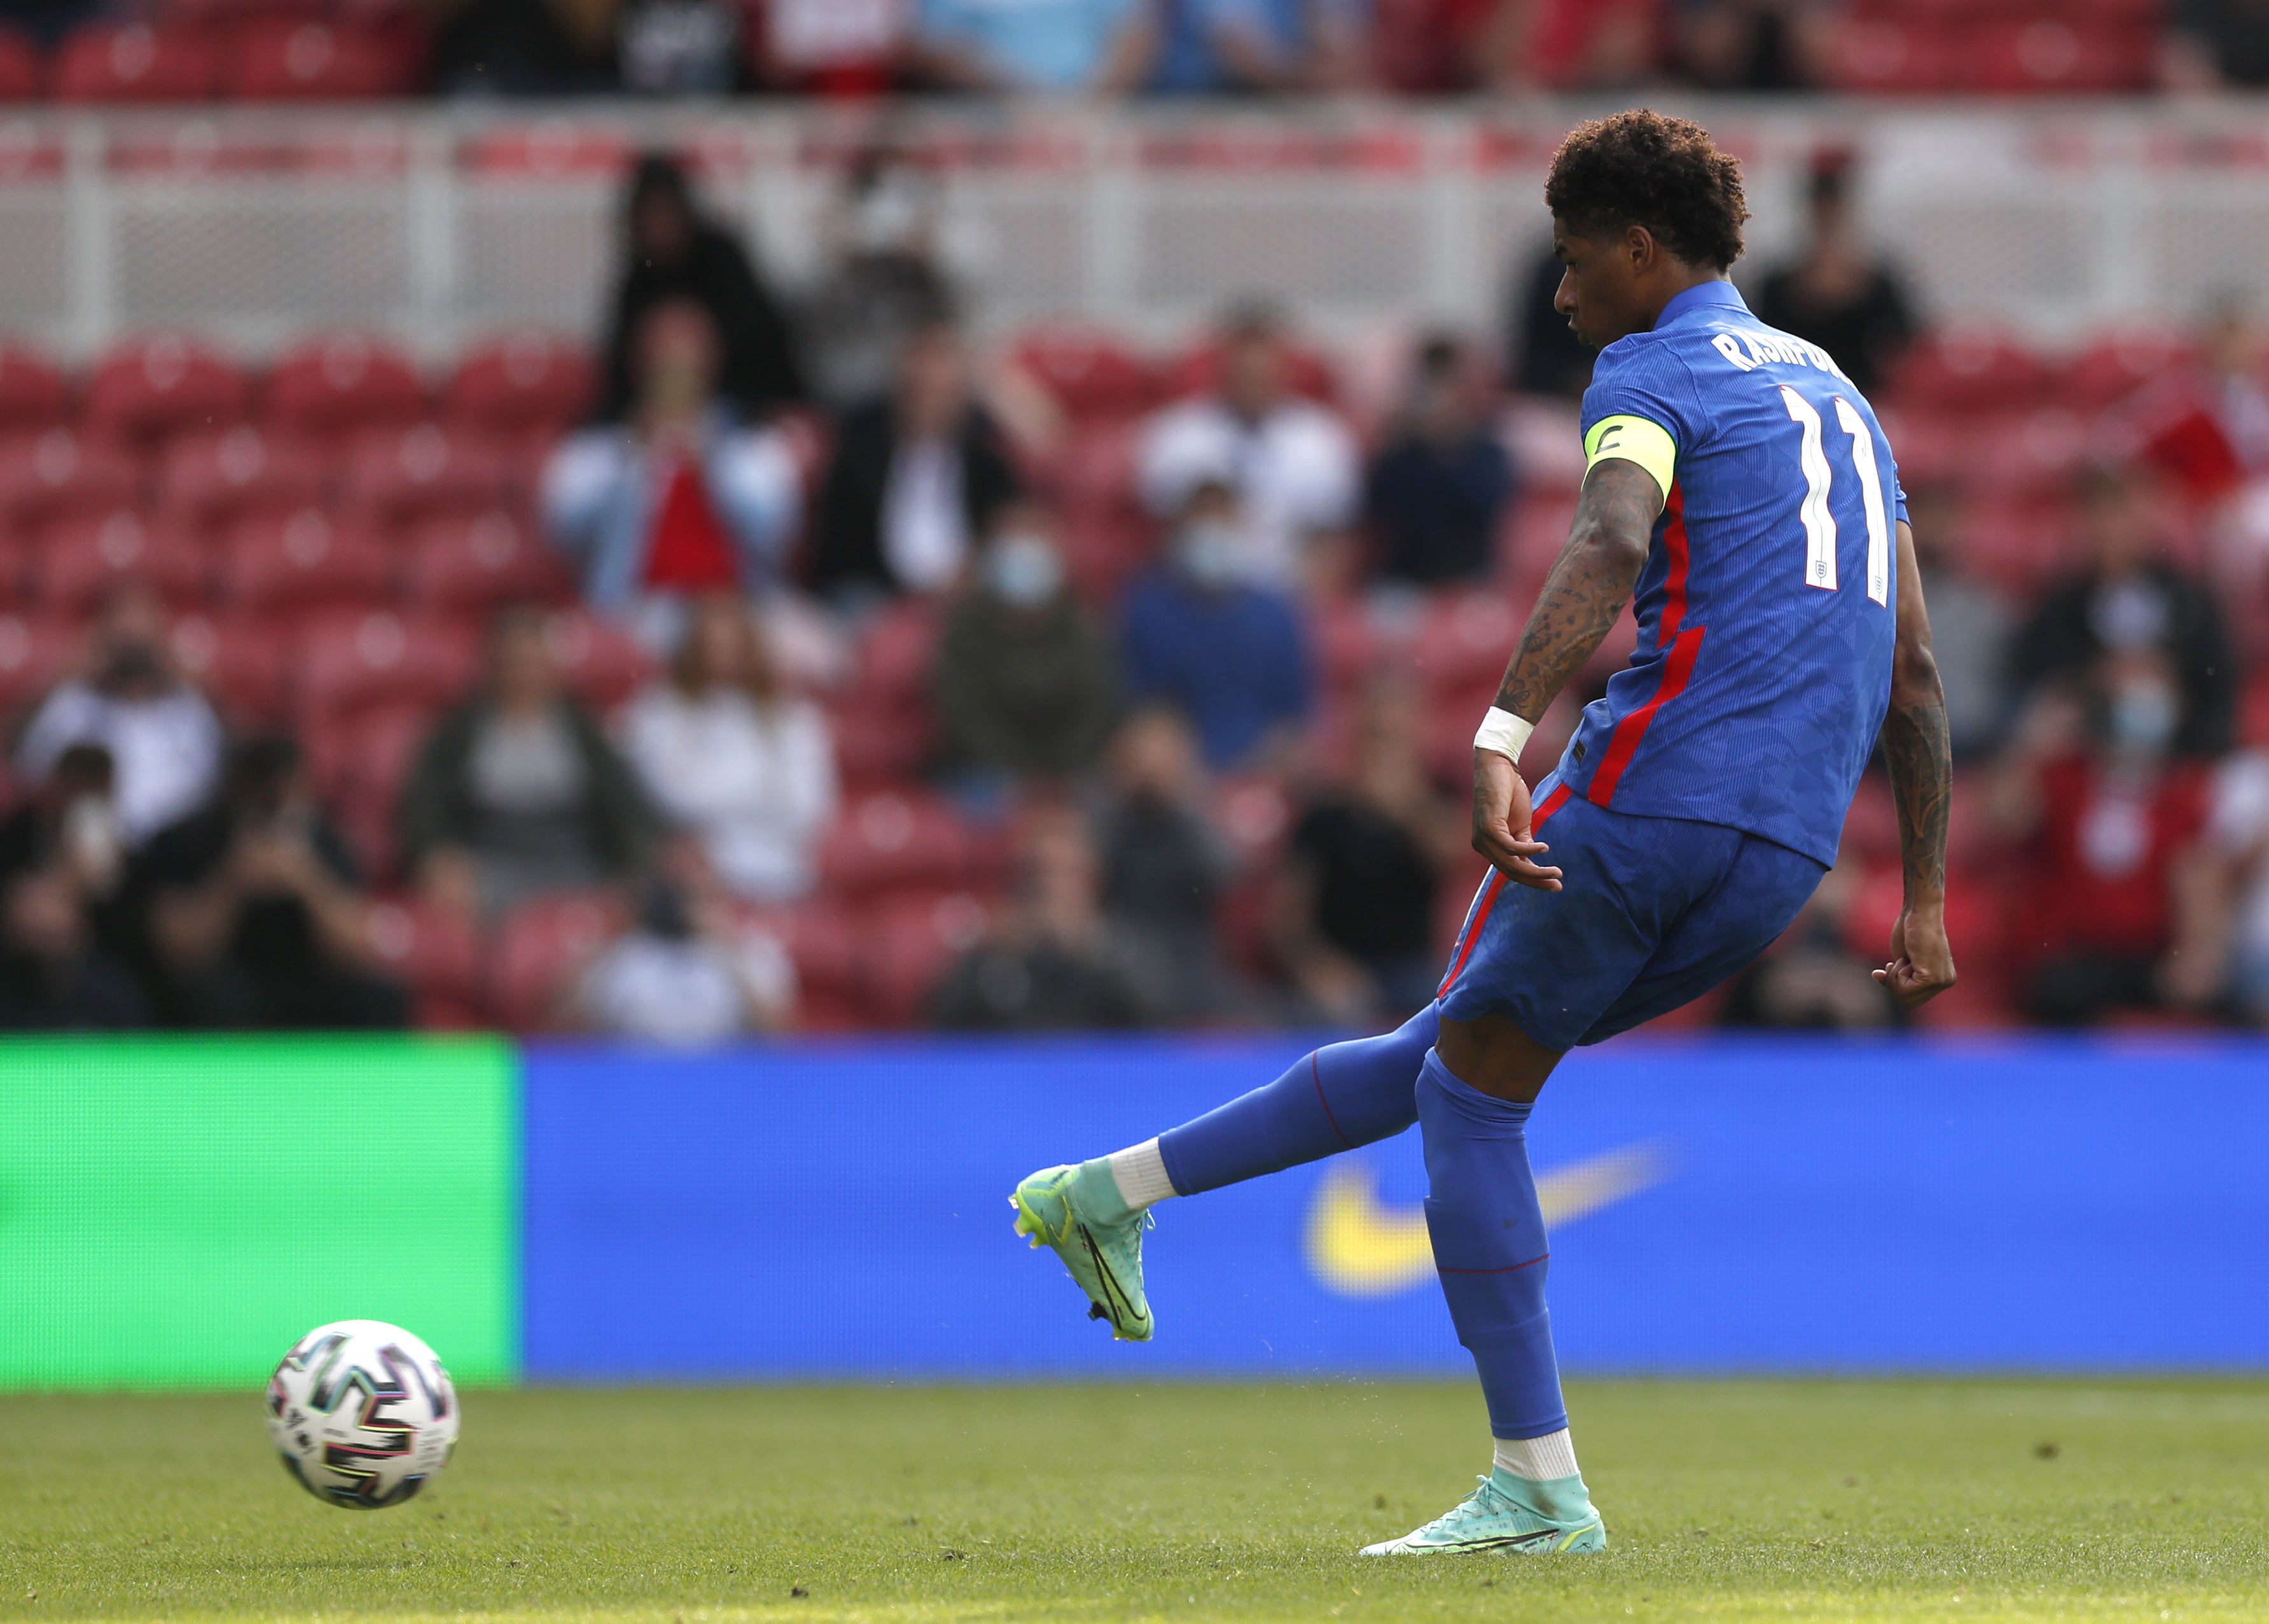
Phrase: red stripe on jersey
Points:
(1487, 900)
(1676, 671)
(1674, 586)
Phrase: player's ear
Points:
(1640, 248)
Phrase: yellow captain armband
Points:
(1634, 439)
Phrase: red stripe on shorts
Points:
(1487, 900)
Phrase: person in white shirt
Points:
(163, 738)
(2238, 833)
(685, 977)
(1294, 466)
(746, 769)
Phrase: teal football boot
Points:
(1501, 1515)
(1078, 1212)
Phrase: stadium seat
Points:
(468, 567)
(214, 480)
(348, 661)
(1890, 57)
(277, 563)
(402, 476)
(161, 384)
(1196, 370)
(881, 748)
(36, 652)
(539, 949)
(827, 945)
(1465, 639)
(59, 473)
(83, 558)
(909, 943)
(521, 383)
(342, 382)
(895, 840)
(2033, 453)
(1086, 371)
(1093, 473)
(2118, 365)
(34, 396)
(361, 761)
(435, 953)
(1345, 643)
(2048, 53)
(110, 61)
(240, 665)
(895, 654)
(598, 660)
(19, 66)
(1966, 371)
(308, 59)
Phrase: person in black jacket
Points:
(916, 479)
(1836, 292)
(675, 251)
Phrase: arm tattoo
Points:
(1921, 765)
(1590, 583)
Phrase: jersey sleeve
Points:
(1640, 407)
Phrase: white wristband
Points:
(1505, 733)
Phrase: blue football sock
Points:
(1343, 1096)
(1490, 1249)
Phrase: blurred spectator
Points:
(1836, 293)
(2107, 917)
(62, 955)
(1354, 909)
(1439, 485)
(1591, 44)
(523, 47)
(1970, 621)
(1024, 683)
(885, 283)
(1056, 961)
(517, 793)
(1215, 47)
(48, 21)
(1756, 45)
(684, 976)
(1294, 466)
(679, 47)
(915, 479)
(839, 48)
(677, 501)
(2209, 45)
(1034, 45)
(163, 737)
(256, 910)
(2238, 888)
(2131, 597)
(1446, 48)
(727, 755)
(1547, 357)
(1165, 865)
(673, 251)
(1229, 655)
(1811, 980)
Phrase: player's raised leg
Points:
(1093, 1214)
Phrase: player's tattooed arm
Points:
(1920, 761)
(1590, 583)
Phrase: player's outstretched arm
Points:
(1590, 583)
(1921, 765)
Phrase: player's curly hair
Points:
(1644, 168)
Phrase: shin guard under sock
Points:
(1343, 1096)
(1488, 1247)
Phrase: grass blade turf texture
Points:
(1735, 1500)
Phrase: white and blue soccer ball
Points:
(363, 1413)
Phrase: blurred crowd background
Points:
(816, 654)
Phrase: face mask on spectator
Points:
(1022, 569)
(1210, 551)
(2142, 717)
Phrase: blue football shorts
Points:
(1651, 913)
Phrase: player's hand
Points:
(1501, 819)
(1922, 963)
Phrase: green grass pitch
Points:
(1734, 1500)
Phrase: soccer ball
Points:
(363, 1413)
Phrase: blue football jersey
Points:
(1768, 606)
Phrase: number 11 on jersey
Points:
(1819, 519)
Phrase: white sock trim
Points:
(1539, 1459)
(1139, 1172)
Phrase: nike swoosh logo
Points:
(1360, 1247)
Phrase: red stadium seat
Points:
(1086, 371)
(361, 761)
(1092, 474)
(469, 565)
(1465, 640)
(59, 473)
(540, 950)
(161, 384)
(348, 663)
(1887, 57)
(19, 66)
(597, 660)
(2048, 54)
(881, 748)
(1196, 370)
(894, 840)
(1966, 371)
(2025, 454)
(84, 558)
(435, 953)
(401, 476)
(36, 652)
(895, 656)
(308, 59)
(828, 947)
(343, 381)
(1346, 645)
(32, 394)
(2118, 365)
(108, 62)
(521, 383)
(212, 17)
(302, 560)
(240, 666)
(214, 480)
(909, 942)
